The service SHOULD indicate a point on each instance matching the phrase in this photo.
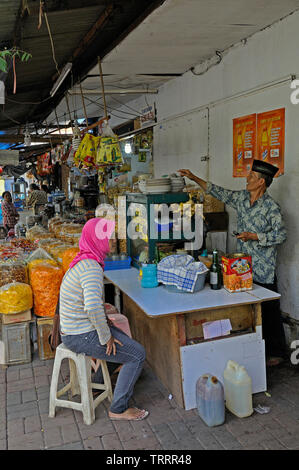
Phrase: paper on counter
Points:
(212, 329)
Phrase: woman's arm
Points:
(91, 281)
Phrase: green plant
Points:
(12, 53)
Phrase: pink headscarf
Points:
(94, 241)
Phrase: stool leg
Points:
(54, 385)
(75, 389)
(84, 378)
(107, 380)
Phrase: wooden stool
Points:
(79, 384)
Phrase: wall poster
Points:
(244, 144)
(270, 138)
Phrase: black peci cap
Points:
(264, 168)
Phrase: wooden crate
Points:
(44, 329)
(17, 344)
(16, 317)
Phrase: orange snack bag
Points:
(68, 257)
(45, 282)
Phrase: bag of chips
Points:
(45, 282)
(15, 298)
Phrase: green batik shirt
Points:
(263, 218)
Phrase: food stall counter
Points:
(170, 327)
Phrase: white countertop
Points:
(158, 301)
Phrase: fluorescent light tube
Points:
(65, 71)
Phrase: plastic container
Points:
(210, 400)
(117, 264)
(149, 276)
(238, 390)
(199, 285)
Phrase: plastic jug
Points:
(149, 276)
(210, 400)
(237, 390)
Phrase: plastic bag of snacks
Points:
(13, 272)
(45, 282)
(53, 222)
(15, 298)
(45, 242)
(26, 245)
(35, 262)
(57, 251)
(39, 253)
(36, 233)
(85, 156)
(69, 231)
(9, 253)
(68, 256)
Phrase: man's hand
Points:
(187, 173)
(245, 236)
(111, 346)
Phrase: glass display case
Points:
(151, 222)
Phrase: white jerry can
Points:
(237, 390)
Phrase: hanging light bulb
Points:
(128, 147)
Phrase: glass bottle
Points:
(215, 272)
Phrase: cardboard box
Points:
(237, 272)
(16, 317)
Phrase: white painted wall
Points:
(178, 143)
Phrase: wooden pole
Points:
(83, 102)
(103, 89)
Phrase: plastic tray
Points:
(118, 264)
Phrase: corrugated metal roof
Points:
(70, 21)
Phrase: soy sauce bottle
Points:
(215, 272)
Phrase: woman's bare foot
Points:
(131, 414)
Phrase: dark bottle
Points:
(215, 272)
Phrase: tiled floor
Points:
(24, 421)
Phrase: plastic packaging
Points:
(39, 253)
(36, 233)
(15, 298)
(13, 272)
(45, 281)
(210, 400)
(55, 221)
(68, 256)
(36, 262)
(57, 251)
(238, 390)
(149, 276)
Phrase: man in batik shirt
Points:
(261, 229)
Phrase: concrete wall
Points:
(180, 140)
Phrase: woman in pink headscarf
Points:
(83, 323)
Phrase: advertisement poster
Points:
(244, 144)
(270, 138)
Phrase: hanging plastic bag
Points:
(109, 150)
(15, 298)
(85, 156)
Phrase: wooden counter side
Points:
(161, 340)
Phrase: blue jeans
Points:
(131, 355)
